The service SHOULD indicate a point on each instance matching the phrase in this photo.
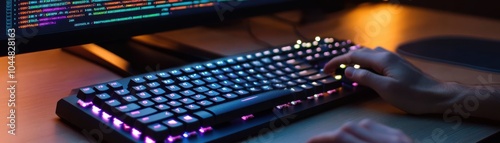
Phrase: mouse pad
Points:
(481, 54)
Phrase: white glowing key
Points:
(338, 77)
(149, 140)
(356, 66)
(296, 46)
(188, 117)
(172, 122)
(343, 66)
(317, 38)
(299, 41)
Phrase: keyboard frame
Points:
(90, 124)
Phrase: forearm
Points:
(478, 101)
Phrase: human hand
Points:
(398, 82)
(365, 131)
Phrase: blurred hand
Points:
(366, 131)
(396, 81)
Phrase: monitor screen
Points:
(43, 24)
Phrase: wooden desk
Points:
(45, 77)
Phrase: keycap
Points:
(162, 107)
(212, 93)
(138, 113)
(110, 105)
(187, 92)
(137, 81)
(152, 85)
(179, 110)
(232, 75)
(227, 70)
(100, 98)
(173, 96)
(168, 81)
(207, 118)
(302, 66)
(330, 83)
(159, 99)
(174, 103)
(307, 72)
(210, 79)
(146, 103)
(121, 92)
(295, 61)
(151, 77)
(192, 107)
(157, 131)
(221, 77)
(194, 76)
(188, 70)
(191, 123)
(163, 75)
(186, 100)
(143, 95)
(128, 99)
(198, 97)
(199, 68)
(201, 89)
(112, 102)
(115, 85)
(128, 107)
(217, 99)
(142, 122)
(183, 78)
(317, 76)
(173, 88)
(86, 94)
(139, 88)
(205, 103)
(229, 95)
(210, 65)
(242, 92)
(214, 86)
(101, 88)
(157, 91)
(176, 127)
(248, 105)
(231, 61)
(220, 63)
(225, 90)
(198, 82)
(236, 86)
(186, 85)
(175, 72)
(217, 71)
(241, 59)
(206, 73)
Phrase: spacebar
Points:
(248, 105)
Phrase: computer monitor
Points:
(42, 25)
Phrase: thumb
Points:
(366, 78)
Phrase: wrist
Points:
(449, 93)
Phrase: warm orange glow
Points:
(377, 25)
(107, 55)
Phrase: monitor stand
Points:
(140, 54)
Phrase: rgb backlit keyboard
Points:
(215, 101)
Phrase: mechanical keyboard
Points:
(221, 100)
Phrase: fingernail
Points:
(349, 71)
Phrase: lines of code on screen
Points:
(64, 15)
